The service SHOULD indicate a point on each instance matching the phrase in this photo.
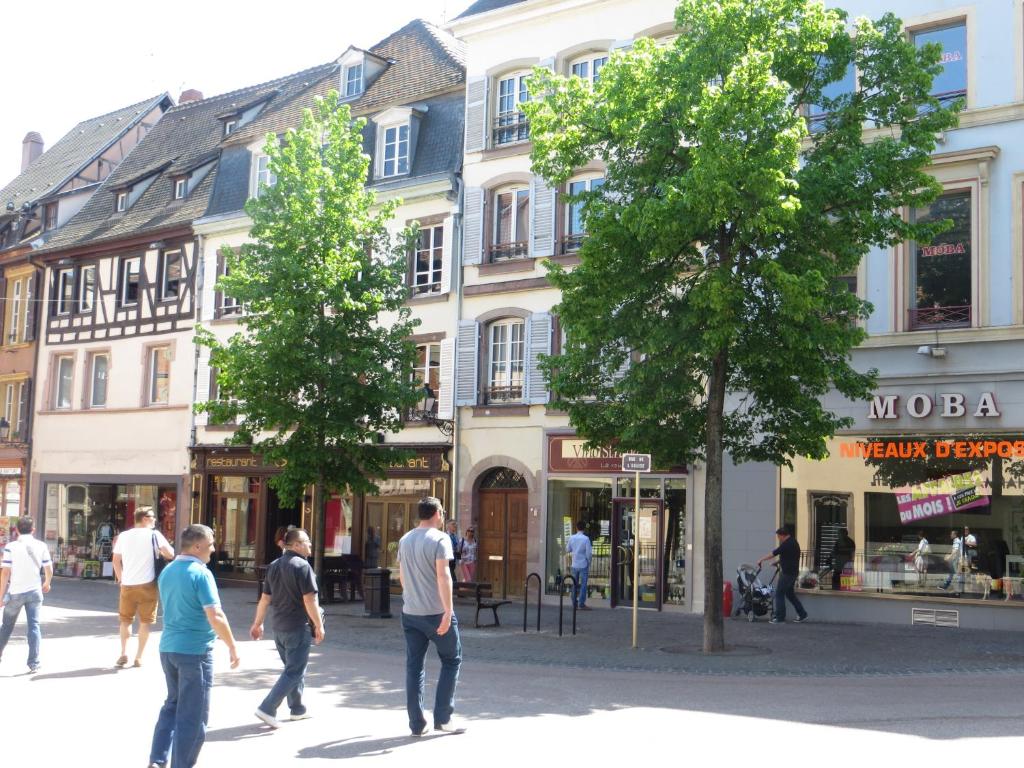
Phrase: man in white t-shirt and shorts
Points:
(135, 553)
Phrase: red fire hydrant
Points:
(727, 599)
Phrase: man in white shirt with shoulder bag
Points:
(136, 552)
(25, 577)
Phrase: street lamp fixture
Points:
(429, 412)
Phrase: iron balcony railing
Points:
(939, 317)
(503, 394)
(510, 128)
(497, 252)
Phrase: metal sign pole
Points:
(636, 557)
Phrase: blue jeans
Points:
(579, 594)
(420, 631)
(293, 648)
(785, 591)
(31, 602)
(186, 711)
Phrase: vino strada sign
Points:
(950, 405)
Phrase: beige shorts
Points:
(141, 599)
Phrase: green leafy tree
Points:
(323, 360)
(718, 242)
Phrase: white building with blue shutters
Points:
(946, 334)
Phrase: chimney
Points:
(31, 148)
(190, 94)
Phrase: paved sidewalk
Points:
(670, 642)
(535, 699)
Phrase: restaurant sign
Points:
(569, 454)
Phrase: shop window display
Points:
(235, 502)
(935, 516)
(89, 516)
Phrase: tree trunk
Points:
(320, 530)
(714, 629)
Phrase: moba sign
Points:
(950, 405)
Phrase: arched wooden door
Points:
(501, 530)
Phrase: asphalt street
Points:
(789, 695)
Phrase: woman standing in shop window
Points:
(920, 557)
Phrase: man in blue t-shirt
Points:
(193, 619)
(290, 587)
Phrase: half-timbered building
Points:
(53, 185)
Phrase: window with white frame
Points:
(264, 176)
(86, 288)
(121, 202)
(816, 113)
(170, 280)
(229, 126)
(427, 262)
(395, 155)
(64, 372)
(574, 227)
(159, 375)
(510, 226)
(941, 272)
(180, 186)
(427, 371)
(589, 67)
(353, 80)
(510, 124)
(16, 307)
(950, 84)
(16, 410)
(130, 279)
(99, 368)
(227, 305)
(506, 348)
(10, 406)
(65, 291)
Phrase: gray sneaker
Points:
(452, 726)
(800, 619)
(421, 732)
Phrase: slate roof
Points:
(483, 6)
(427, 66)
(187, 136)
(79, 147)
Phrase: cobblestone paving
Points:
(670, 642)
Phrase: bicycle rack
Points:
(526, 597)
(561, 596)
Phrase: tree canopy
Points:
(323, 360)
(709, 313)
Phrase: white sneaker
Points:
(452, 726)
(268, 719)
(303, 716)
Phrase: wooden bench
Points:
(483, 594)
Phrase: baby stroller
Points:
(755, 597)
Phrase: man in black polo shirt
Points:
(290, 587)
(788, 553)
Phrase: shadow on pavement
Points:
(91, 672)
(239, 733)
(346, 749)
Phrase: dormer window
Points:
(121, 202)
(180, 188)
(396, 151)
(229, 126)
(50, 216)
(353, 80)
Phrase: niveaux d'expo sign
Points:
(959, 490)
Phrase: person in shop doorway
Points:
(788, 554)
(424, 554)
(25, 575)
(193, 620)
(469, 547)
(582, 552)
(371, 549)
(290, 588)
(135, 559)
(453, 534)
(842, 556)
(956, 552)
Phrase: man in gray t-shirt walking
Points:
(427, 617)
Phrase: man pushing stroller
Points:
(788, 553)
